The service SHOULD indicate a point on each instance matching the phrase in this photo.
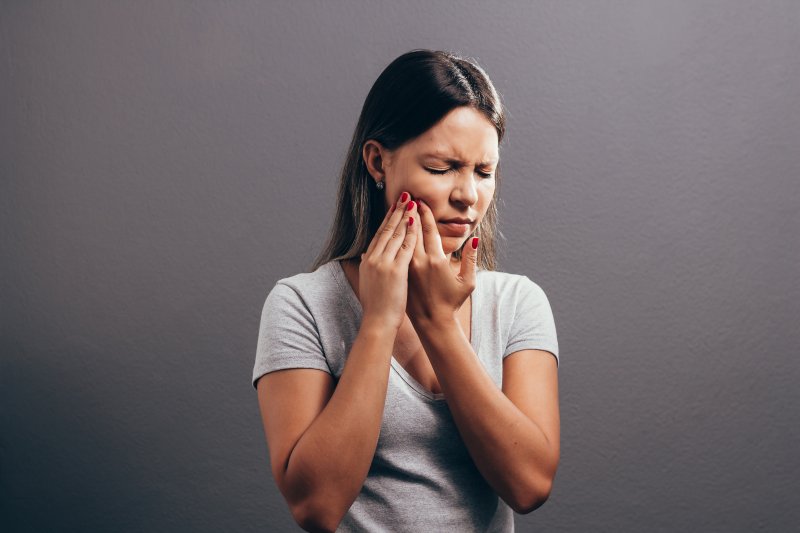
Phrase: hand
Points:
(383, 272)
(435, 292)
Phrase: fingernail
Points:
(403, 197)
(410, 205)
(410, 221)
(475, 243)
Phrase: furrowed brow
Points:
(458, 162)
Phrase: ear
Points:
(376, 158)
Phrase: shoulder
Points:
(511, 294)
(309, 283)
(305, 291)
(507, 284)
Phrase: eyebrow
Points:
(458, 162)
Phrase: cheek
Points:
(411, 181)
(423, 188)
(486, 195)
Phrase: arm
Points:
(322, 440)
(513, 438)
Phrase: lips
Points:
(455, 228)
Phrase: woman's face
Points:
(450, 167)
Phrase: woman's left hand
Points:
(435, 291)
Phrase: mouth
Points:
(456, 227)
(458, 220)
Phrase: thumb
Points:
(469, 261)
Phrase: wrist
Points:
(375, 327)
(436, 322)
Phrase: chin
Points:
(452, 244)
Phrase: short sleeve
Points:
(288, 336)
(533, 326)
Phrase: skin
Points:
(322, 437)
(464, 134)
(512, 434)
(442, 190)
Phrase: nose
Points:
(464, 189)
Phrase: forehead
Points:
(462, 135)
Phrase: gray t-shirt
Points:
(422, 477)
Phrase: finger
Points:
(430, 233)
(386, 218)
(408, 246)
(403, 229)
(469, 261)
(394, 228)
(390, 221)
(419, 245)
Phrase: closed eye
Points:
(439, 172)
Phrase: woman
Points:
(404, 384)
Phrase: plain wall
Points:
(164, 163)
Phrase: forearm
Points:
(330, 462)
(509, 449)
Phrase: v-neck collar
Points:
(337, 271)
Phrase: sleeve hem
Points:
(531, 344)
(287, 361)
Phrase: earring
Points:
(379, 185)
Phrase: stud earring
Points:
(379, 185)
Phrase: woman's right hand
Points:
(383, 272)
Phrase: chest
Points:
(409, 352)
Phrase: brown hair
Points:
(413, 93)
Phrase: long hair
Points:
(413, 93)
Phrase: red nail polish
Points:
(410, 205)
(410, 221)
(403, 197)
(474, 243)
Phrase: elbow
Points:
(525, 506)
(529, 500)
(535, 489)
(315, 518)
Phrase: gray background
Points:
(164, 163)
